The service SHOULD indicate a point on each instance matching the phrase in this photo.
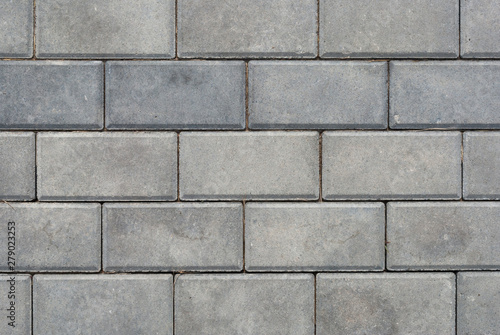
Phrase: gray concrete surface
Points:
(16, 33)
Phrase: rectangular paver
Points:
(175, 95)
(389, 28)
(17, 166)
(102, 304)
(187, 237)
(395, 165)
(388, 303)
(443, 235)
(249, 29)
(51, 95)
(53, 237)
(482, 165)
(445, 94)
(260, 166)
(16, 29)
(16, 304)
(105, 29)
(244, 304)
(317, 95)
(479, 26)
(107, 166)
(314, 237)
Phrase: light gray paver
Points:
(240, 304)
(388, 303)
(246, 165)
(107, 166)
(53, 237)
(314, 237)
(396, 165)
(102, 304)
(16, 304)
(51, 95)
(175, 95)
(249, 29)
(480, 28)
(317, 95)
(16, 29)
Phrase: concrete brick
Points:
(105, 29)
(314, 237)
(51, 95)
(388, 303)
(186, 237)
(479, 28)
(244, 304)
(317, 95)
(398, 165)
(257, 166)
(17, 166)
(443, 235)
(102, 304)
(478, 303)
(175, 95)
(16, 289)
(107, 166)
(53, 237)
(482, 166)
(445, 94)
(249, 29)
(389, 28)
(16, 33)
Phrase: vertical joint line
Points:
(244, 246)
(315, 298)
(246, 96)
(321, 167)
(388, 94)
(102, 238)
(32, 279)
(173, 302)
(462, 167)
(317, 31)
(104, 66)
(178, 167)
(456, 302)
(34, 30)
(36, 166)
(459, 29)
(175, 19)
(385, 234)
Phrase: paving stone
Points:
(53, 237)
(482, 165)
(443, 235)
(51, 95)
(389, 28)
(175, 95)
(478, 303)
(397, 165)
(247, 165)
(16, 304)
(17, 166)
(107, 166)
(445, 94)
(317, 95)
(248, 29)
(173, 237)
(385, 303)
(479, 28)
(102, 304)
(105, 29)
(314, 237)
(16, 29)
(240, 304)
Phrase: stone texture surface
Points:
(54, 237)
(258, 166)
(16, 29)
(479, 28)
(481, 165)
(249, 29)
(317, 95)
(175, 95)
(478, 303)
(105, 29)
(173, 237)
(102, 304)
(244, 304)
(443, 235)
(397, 165)
(107, 166)
(15, 288)
(420, 303)
(389, 28)
(314, 237)
(445, 94)
(17, 166)
(51, 95)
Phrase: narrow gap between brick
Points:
(388, 94)
(176, 29)
(385, 234)
(104, 96)
(459, 29)
(456, 302)
(102, 238)
(178, 167)
(32, 279)
(244, 207)
(321, 167)
(462, 167)
(317, 32)
(315, 298)
(36, 166)
(246, 97)
(34, 30)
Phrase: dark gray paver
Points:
(480, 28)
(16, 304)
(16, 33)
